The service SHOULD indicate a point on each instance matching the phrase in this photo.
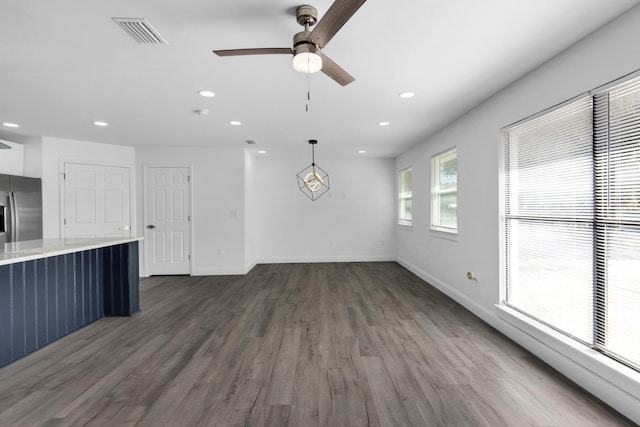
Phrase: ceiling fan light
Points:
(307, 62)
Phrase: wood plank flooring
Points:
(357, 344)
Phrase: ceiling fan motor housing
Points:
(306, 15)
(301, 43)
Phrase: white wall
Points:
(33, 157)
(353, 221)
(57, 150)
(12, 160)
(250, 209)
(604, 56)
(218, 199)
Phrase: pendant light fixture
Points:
(312, 180)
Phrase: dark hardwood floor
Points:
(292, 344)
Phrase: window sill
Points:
(444, 234)
(405, 225)
(619, 375)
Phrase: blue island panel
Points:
(52, 300)
(5, 316)
(18, 316)
(42, 306)
(44, 299)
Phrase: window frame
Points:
(437, 193)
(407, 222)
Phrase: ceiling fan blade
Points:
(334, 71)
(337, 15)
(258, 51)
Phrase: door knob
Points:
(151, 226)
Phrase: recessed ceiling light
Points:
(406, 95)
(361, 151)
(10, 125)
(262, 152)
(103, 124)
(235, 123)
(206, 93)
(383, 123)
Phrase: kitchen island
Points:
(52, 287)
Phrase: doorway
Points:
(97, 200)
(167, 220)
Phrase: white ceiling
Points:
(65, 64)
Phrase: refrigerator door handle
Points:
(13, 209)
(4, 229)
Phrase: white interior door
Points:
(167, 217)
(96, 201)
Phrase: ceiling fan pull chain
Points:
(308, 94)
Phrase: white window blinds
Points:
(548, 212)
(572, 220)
(617, 182)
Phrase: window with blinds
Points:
(617, 220)
(572, 219)
(405, 197)
(444, 191)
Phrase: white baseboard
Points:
(286, 260)
(302, 259)
(250, 267)
(611, 382)
(221, 271)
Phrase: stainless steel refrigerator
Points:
(20, 209)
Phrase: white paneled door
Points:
(96, 201)
(167, 216)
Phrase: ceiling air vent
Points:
(140, 30)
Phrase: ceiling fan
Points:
(307, 55)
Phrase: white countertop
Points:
(42, 248)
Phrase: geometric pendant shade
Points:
(312, 180)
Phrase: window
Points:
(405, 215)
(444, 191)
(572, 220)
